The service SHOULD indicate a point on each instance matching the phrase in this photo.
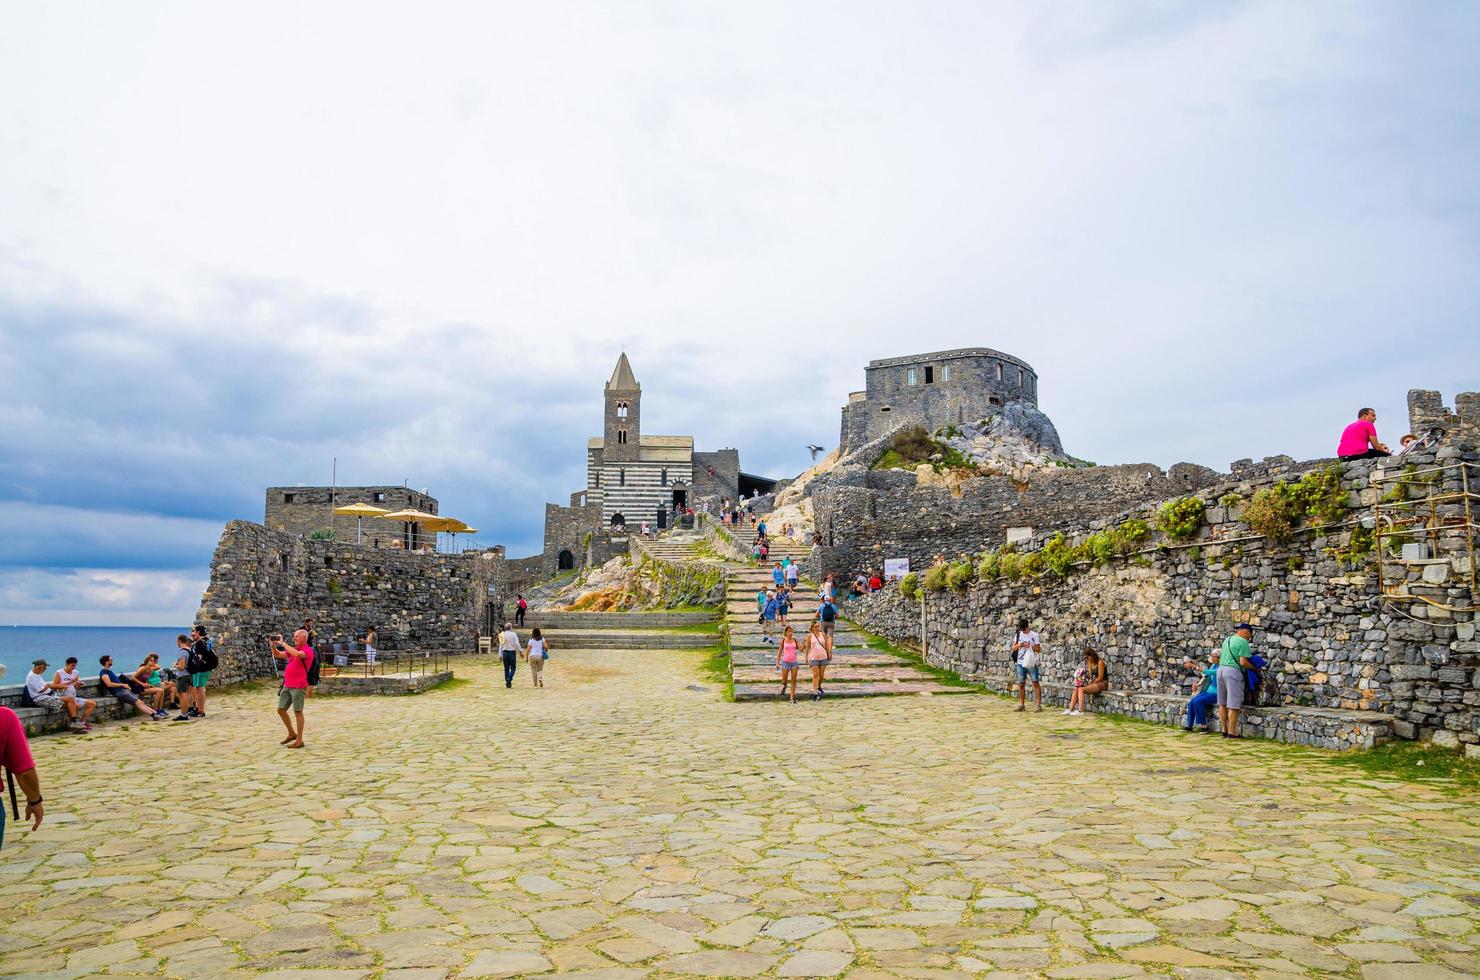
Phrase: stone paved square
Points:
(626, 821)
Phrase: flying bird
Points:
(814, 450)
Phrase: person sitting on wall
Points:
(875, 582)
(1092, 678)
(1359, 439)
(1406, 443)
(1205, 694)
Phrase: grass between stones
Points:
(692, 628)
(1418, 762)
(942, 676)
(715, 667)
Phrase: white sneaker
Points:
(1067, 711)
(1076, 712)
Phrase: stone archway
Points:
(566, 561)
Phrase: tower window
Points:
(929, 375)
(663, 476)
(622, 436)
(909, 377)
(287, 498)
(621, 410)
(999, 370)
(945, 372)
(598, 479)
(1020, 377)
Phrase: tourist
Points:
(819, 655)
(643, 531)
(765, 549)
(297, 660)
(827, 617)
(520, 608)
(15, 759)
(778, 575)
(1091, 677)
(114, 685)
(369, 640)
(816, 539)
(1204, 695)
(203, 661)
(313, 634)
(1026, 648)
(1359, 439)
(829, 587)
(66, 685)
(768, 617)
(793, 574)
(756, 551)
(537, 652)
(783, 605)
(1406, 443)
(42, 693)
(875, 582)
(860, 584)
(1233, 660)
(508, 650)
(760, 605)
(151, 683)
(184, 696)
(760, 528)
(786, 662)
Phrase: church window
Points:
(622, 477)
(999, 370)
(598, 479)
(622, 436)
(663, 476)
(621, 410)
(909, 377)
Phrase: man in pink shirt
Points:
(296, 661)
(15, 757)
(1359, 440)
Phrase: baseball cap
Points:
(1243, 626)
(39, 663)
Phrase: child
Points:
(786, 660)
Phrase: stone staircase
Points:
(856, 669)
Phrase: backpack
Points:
(208, 660)
(828, 612)
(313, 670)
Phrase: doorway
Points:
(565, 562)
(680, 499)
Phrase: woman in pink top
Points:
(1359, 440)
(786, 659)
(15, 757)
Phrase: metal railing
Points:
(384, 663)
(1434, 505)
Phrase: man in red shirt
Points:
(296, 661)
(1359, 439)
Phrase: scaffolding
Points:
(1434, 506)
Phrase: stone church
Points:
(632, 477)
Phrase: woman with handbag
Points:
(537, 651)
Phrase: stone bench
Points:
(1325, 728)
(44, 721)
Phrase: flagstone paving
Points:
(626, 822)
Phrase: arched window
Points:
(663, 476)
(622, 435)
(999, 370)
(1020, 377)
(621, 410)
(618, 521)
(622, 477)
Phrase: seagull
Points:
(814, 450)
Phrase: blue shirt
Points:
(777, 575)
(770, 611)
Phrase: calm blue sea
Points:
(19, 645)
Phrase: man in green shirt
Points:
(1233, 660)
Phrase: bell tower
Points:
(623, 414)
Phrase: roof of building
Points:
(946, 355)
(622, 376)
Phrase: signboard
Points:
(340, 660)
(896, 569)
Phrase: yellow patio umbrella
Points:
(460, 527)
(360, 511)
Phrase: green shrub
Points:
(1273, 512)
(935, 578)
(989, 566)
(1130, 535)
(909, 585)
(1179, 519)
(1058, 555)
(1230, 500)
(1194, 553)
(959, 575)
(1321, 497)
(1033, 564)
(1010, 564)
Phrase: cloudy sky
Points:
(239, 240)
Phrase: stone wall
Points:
(1335, 638)
(305, 510)
(725, 481)
(885, 514)
(1426, 411)
(569, 529)
(265, 581)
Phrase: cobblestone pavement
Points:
(625, 822)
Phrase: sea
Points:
(20, 645)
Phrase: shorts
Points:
(51, 702)
(200, 679)
(126, 697)
(789, 665)
(828, 627)
(1024, 672)
(817, 663)
(1230, 687)
(291, 697)
(182, 682)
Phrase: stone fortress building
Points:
(307, 511)
(948, 387)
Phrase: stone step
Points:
(857, 658)
(771, 692)
(633, 620)
(629, 640)
(836, 673)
